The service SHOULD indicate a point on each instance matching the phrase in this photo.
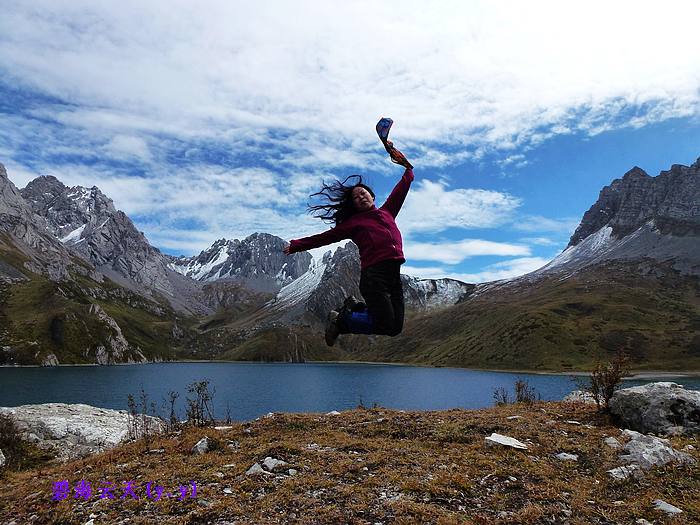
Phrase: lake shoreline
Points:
(635, 374)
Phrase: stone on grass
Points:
(625, 472)
(76, 430)
(333, 413)
(271, 463)
(649, 451)
(255, 470)
(2, 459)
(580, 396)
(203, 445)
(659, 408)
(563, 456)
(506, 441)
(612, 442)
(661, 505)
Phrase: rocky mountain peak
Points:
(671, 201)
(637, 218)
(635, 173)
(257, 261)
(45, 254)
(45, 185)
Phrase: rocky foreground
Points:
(522, 463)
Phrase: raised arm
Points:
(336, 234)
(398, 194)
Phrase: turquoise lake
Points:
(250, 390)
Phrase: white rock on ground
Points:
(498, 439)
(333, 413)
(563, 456)
(661, 505)
(271, 463)
(202, 446)
(74, 430)
(625, 472)
(255, 470)
(2, 459)
(648, 451)
(612, 442)
(660, 408)
(580, 396)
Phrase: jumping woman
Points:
(350, 207)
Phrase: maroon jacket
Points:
(374, 231)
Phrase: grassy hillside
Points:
(559, 324)
(368, 466)
(39, 317)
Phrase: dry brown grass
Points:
(371, 466)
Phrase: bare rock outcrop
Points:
(659, 408)
(75, 430)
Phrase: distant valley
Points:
(80, 284)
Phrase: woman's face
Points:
(362, 199)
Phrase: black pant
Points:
(380, 286)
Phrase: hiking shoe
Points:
(332, 329)
(353, 305)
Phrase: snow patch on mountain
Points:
(300, 289)
(199, 270)
(591, 247)
(73, 236)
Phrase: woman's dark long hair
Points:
(339, 196)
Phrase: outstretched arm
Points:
(336, 234)
(398, 194)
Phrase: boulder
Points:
(2, 459)
(659, 408)
(75, 430)
(649, 451)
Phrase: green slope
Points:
(560, 325)
(39, 317)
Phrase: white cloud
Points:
(128, 146)
(298, 86)
(454, 252)
(537, 223)
(466, 74)
(493, 272)
(432, 207)
(540, 241)
(504, 270)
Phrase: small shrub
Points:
(19, 454)
(199, 409)
(140, 425)
(10, 440)
(524, 393)
(607, 378)
(501, 396)
(173, 421)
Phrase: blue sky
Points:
(218, 120)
